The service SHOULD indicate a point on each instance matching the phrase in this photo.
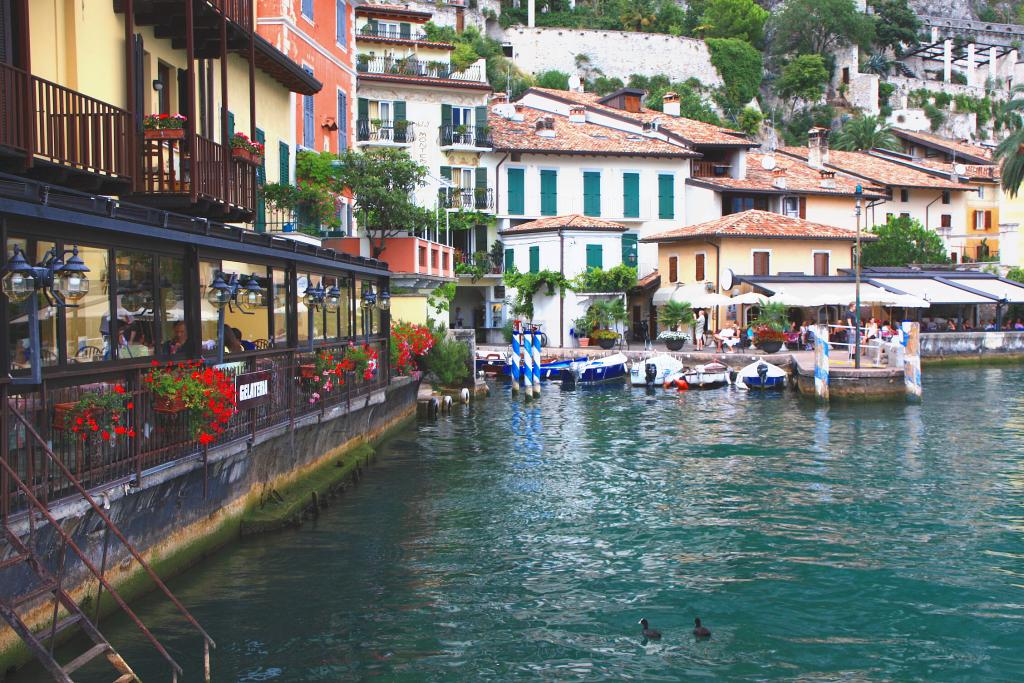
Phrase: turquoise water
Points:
(518, 541)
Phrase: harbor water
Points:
(523, 540)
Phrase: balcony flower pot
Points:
(164, 134)
(166, 405)
(307, 371)
(245, 155)
(62, 412)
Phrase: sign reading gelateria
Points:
(252, 389)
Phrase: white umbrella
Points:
(748, 299)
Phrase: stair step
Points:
(62, 625)
(86, 657)
(43, 589)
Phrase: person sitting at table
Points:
(726, 336)
(176, 344)
(139, 341)
(247, 345)
(231, 342)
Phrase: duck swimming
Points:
(649, 632)
(699, 631)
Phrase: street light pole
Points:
(856, 332)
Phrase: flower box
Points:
(61, 415)
(245, 155)
(307, 371)
(164, 134)
(169, 406)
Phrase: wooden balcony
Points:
(710, 169)
(167, 17)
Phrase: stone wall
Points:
(967, 344)
(616, 53)
(444, 13)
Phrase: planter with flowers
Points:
(674, 340)
(163, 126)
(245, 149)
(362, 360)
(409, 344)
(768, 339)
(605, 338)
(207, 395)
(100, 415)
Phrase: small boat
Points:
(491, 364)
(550, 366)
(654, 370)
(595, 371)
(761, 375)
(708, 376)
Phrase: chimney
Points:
(670, 104)
(518, 110)
(575, 83)
(828, 180)
(460, 19)
(817, 148)
(779, 178)
(577, 114)
(546, 127)
(499, 98)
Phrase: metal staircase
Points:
(49, 582)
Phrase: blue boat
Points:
(610, 369)
(551, 370)
(761, 375)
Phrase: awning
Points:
(934, 291)
(811, 294)
(1009, 291)
(695, 295)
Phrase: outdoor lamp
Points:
(70, 280)
(250, 296)
(332, 299)
(19, 283)
(314, 296)
(384, 300)
(220, 293)
(369, 297)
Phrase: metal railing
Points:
(397, 132)
(416, 68)
(472, 136)
(472, 198)
(391, 33)
(477, 260)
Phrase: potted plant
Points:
(361, 360)
(582, 328)
(768, 339)
(409, 345)
(245, 149)
(672, 316)
(769, 326)
(605, 338)
(207, 394)
(104, 415)
(163, 126)
(401, 127)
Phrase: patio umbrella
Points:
(748, 299)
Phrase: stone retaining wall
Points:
(967, 344)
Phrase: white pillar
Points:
(993, 70)
(531, 13)
(947, 60)
(971, 71)
(935, 34)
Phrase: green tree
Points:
(384, 182)
(555, 80)
(896, 24)
(865, 132)
(1008, 153)
(743, 19)
(803, 78)
(819, 26)
(902, 241)
(673, 314)
(741, 67)
(749, 120)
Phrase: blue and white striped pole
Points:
(536, 360)
(527, 366)
(513, 359)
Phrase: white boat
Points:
(708, 376)
(594, 371)
(654, 370)
(761, 375)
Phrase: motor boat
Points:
(708, 376)
(595, 371)
(550, 367)
(655, 370)
(761, 375)
(491, 364)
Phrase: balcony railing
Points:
(467, 198)
(483, 261)
(414, 68)
(277, 219)
(238, 11)
(470, 136)
(62, 126)
(397, 132)
(709, 169)
(391, 33)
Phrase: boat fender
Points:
(432, 407)
(446, 406)
(681, 384)
(669, 383)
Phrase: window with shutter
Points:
(595, 257)
(592, 193)
(673, 269)
(307, 9)
(762, 262)
(405, 30)
(629, 249)
(946, 220)
(821, 264)
(516, 194)
(549, 193)
(803, 207)
(631, 195)
(535, 259)
(341, 27)
(283, 163)
(698, 268)
(480, 196)
(342, 122)
(666, 196)
(231, 124)
(480, 238)
(988, 220)
(510, 260)
(6, 49)
(307, 117)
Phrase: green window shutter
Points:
(399, 109)
(481, 188)
(666, 196)
(446, 172)
(364, 109)
(445, 194)
(631, 195)
(480, 237)
(446, 114)
(516, 194)
(405, 30)
(284, 153)
(231, 123)
(629, 249)
(481, 117)
(549, 193)
(261, 178)
(510, 260)
(592, 193)
(534, 259)
(594, 256)
(374, 27)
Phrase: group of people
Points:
(135, 339)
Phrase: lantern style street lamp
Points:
(223, 293)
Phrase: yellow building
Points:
(88, 74)
(750, 243)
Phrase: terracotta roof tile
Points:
(687, 130)
(961, 147)
(572, 221)
(425, 80)
(576, 138)
(757, 224)
(390, 8)
(879, 170)
(800, 179)
(972, 171)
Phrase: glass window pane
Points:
(345, 307)
(90, 332)
(357, 329)
(18, 315)
(301, 283)
(173, 328)
(208, 312)
(319, 316)
(331, 317)
(135, 300)
(279, 294)
(245, 325)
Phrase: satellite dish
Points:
(960, 169)
(727, 279)
(768, 164)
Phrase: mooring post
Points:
(513, 360)
(821, 362)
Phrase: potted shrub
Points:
(163, 126)
(674, 315)
(409, 345)
(582, 328)
(770, 325)
(401, 127)
(104, 415)
(605, 338)
(207, 394)
(245, 149)
(768, 339)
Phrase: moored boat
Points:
(654, 370)
(708, 376)
(599, 370)
(761, 375)
(550, 367)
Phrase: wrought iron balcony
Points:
(392, 33)
(478, 198)
(393, 132)
(411, 67)
(467, 136)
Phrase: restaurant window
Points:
(698, 271)
(245, 328)
(18, 328)
(821, 265)
(345, 307)
(673, 268)
(762, 262)
(135, 304)
(302, 281)
(279, 300)
(173, 328)
(88, 325)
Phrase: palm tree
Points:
(1011, 150)
(865, 132)
(675, 313)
